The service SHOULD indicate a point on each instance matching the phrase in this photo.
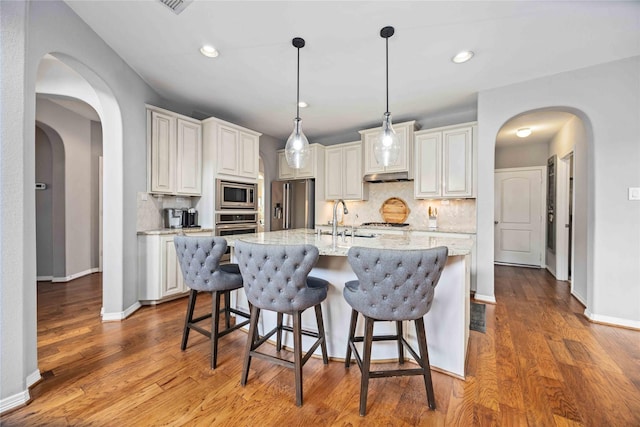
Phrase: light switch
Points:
(634, 193)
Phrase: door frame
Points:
(562, 206)
(543, 209)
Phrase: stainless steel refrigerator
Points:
(292, 204)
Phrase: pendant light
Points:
(297, 149)
(386, 147)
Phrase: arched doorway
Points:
(62, 75)
(558, 145)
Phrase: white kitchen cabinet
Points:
(174, 145)
(404, 132)
(159, 275)
(343, 172)
(313, 169)
(237, 150)
(444, 162)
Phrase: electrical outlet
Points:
(634, 193)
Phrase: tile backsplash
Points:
(150, 210)
(459, 213)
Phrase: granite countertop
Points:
(163, 231)
(456, 230)
(337, 247)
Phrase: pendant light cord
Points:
(298, 89)
(387, 59)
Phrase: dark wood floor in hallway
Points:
(540, 363)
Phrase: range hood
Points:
(387, 177)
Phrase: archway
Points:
(62, 75)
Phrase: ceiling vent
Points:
(176, 5)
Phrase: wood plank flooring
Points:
(540, 363)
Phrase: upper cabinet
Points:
(313, 169)
(404, 131)
(445, 162)
(174, 150)
(235, 149)
(343, 172)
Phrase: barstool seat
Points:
(199, 259)
(392, 285)
(276, 278)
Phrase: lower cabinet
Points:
(159, 275)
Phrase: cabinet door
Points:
(428, 165)
(248, 156)
(352, 172)
(284, 171)
(163, 148)
(309, 170)
(189, 164)
(402, 165)
(457, 162)
(228, 149)
(370, 163)
(171, 279)
(334, 171)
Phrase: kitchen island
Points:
(447, 323)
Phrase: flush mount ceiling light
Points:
(209, 51)
(297, 149)
(386, 148)
(463, 56)
(523, 133)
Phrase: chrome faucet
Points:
(334, 231)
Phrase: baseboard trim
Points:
(21, 398)
(612, 321)
(491, 299)
(44, 278)
(75, 275)
(580, 299)
(116, 317)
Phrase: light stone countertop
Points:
(339, 247)
(167, 231)
(455, 230)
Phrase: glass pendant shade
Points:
(297, 149)
(386, 147)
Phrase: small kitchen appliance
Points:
(190, 218)
(173, 217)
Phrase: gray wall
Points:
(522, 156)
(268, 147)
(607, 100)
(44, 208)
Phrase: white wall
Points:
(607, 100)
(522, 156)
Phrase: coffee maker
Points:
(190, 218)
(173, 217)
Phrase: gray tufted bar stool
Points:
(392, 285)
(199, 259)
(276, 278)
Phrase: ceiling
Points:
(342, 67)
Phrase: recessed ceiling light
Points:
(523, 133)
(463, 56)
(302, 104)
(209, 51)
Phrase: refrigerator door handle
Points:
(286, 222)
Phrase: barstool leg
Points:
(297, 354)
(187, 321)
(227, 306)
(424, 355)
(366, 364)
(352, 332)
(279, 331)
(253, 329)
(215, 323)
(400, 346)
(323, 344)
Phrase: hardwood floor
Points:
(540, 363)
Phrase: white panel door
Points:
(163, 152)
(352, 172)
(248, 157)
(457, 164)
(228, 150)
(333, 174)
(189, 165)
(518, 217)
(428, 173)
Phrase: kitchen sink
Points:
(358, 234)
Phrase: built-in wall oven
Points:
(230, 224)
(236, 195)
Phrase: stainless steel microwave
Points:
(236, 195)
